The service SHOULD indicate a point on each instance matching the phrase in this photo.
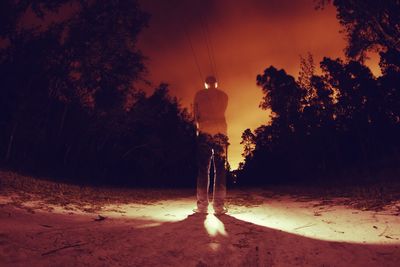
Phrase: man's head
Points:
(211, 82)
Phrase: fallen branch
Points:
(64, 247)
(304, 226)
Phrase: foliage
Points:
(68, 107)
(369, 24)
(340, 124)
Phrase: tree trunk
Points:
(10, 142)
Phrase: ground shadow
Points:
(133, 242)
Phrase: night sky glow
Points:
(246, 37)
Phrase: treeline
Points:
(339, 126)
(343, 124)
(68, 105)
(152, 144)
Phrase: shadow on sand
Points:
(195, 241)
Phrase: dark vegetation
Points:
(339, 126)
(69, 108)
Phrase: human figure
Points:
(210, 104)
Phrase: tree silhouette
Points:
(369, 25)
(69, 108)
(248, 143)
(340, 125)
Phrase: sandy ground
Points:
(261, 229)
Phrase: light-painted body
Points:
(209, 111)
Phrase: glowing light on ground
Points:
(333, 223)
(214, 226)
(305, 218)
(257, 231)
(165, 211)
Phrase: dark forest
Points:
(70, 108)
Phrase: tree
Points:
(248, 142)
(369, 25)
(307, 71)
(281, 95)
(338, 125)
(64, 107)
(342, 124)
(94, 57)
(45, 89)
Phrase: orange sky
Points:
(247, 37)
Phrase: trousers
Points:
(211, 155)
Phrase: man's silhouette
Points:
(209, 112)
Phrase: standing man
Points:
(209, 114)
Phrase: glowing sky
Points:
(247, 36)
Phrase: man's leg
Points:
(203, 178)
(219, 183)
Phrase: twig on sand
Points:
(61, 248)
(384, 231)
(304, 226)
(388, 236)
(336, 231)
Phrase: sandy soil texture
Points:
(128, 229)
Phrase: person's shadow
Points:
(198, 240)
(202, 240)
